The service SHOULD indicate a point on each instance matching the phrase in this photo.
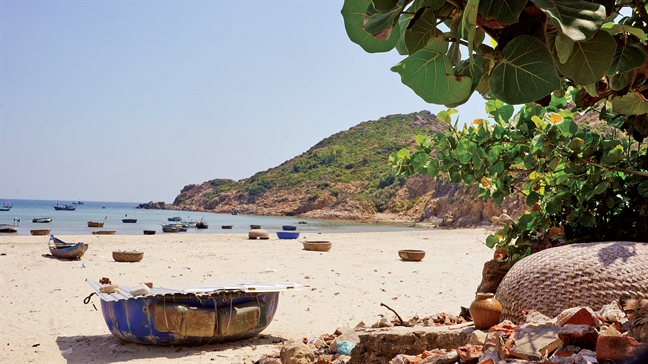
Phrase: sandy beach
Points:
(44, 320)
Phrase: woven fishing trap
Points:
(576, 275)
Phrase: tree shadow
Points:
(104, 349)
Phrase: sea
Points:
(111, 213)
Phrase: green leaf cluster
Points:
(588, 186)
(517, 51)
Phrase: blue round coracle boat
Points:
(197, 315)
(287, 234)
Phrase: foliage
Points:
(580, 185)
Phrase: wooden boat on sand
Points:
(61, 249)
(40, 232)
(8, 228)
(190, 315)
(104, 232)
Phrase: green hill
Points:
(346, 176)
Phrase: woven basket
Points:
(319, 246)
(129, 256)
(576, 275)
(258, 233)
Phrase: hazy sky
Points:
(132, 100)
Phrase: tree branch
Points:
(628, 171)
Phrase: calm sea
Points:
(75, 222)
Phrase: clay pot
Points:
(485, 311)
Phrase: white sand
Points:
(42, 311)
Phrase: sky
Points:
(130, 101)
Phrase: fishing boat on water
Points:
(97, 224)
(6, 206)
(189, 315)
(61, 249)
(42, 220)
(58, 207)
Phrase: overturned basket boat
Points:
(319, 246)
(575, 275)
(128, 256)
(191, 315)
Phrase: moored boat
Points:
(190, 315)
(8, 228)
(170, 228)
(288, 227)
(6, 206)
(96, 224)
(149, 232)
(104, 232)
(41, 220)
(201, 224)
(129, 220)
(61, 249)
(174, 218)
(227, 226)
(40, 232)
(58, 207)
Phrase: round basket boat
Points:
(411, 255)
(128, 256)
(40, 232)
(319, 246)
(287, 234)
(258, 234)
(577, 275)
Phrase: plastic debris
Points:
(345, 347)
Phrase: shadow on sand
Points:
(105, 349)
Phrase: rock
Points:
(533, 344)
(440, 357)
(269, 361)
(618, 349)
(478, 337)
(582, 335)
(342, 359)
(295, 352)
(325, 359)
(578, 316)
(612, 313)
(492, 274)
(378, 346)
(469, 354)
(536, 317)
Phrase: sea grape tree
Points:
(560, 58)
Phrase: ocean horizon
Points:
(111, 213)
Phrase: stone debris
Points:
(577, 335)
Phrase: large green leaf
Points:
(626, 58)
(420, 30)
(431, 76)
(578, 19)
(625, 29)
(590, 59)
(525, 73)
(630, 104)
(506, 11)
(381, 23)
(403, 23)
(353, 12)
(564, 47)
(469, 23)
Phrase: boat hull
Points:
(75, 251)
(129, 221)
(40, 232)
(96, 224)
(287, 234)
(42, 220)
(186, 320)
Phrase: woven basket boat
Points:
(127, 256)
(319, 246)
(411, 255)
(576, 275)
